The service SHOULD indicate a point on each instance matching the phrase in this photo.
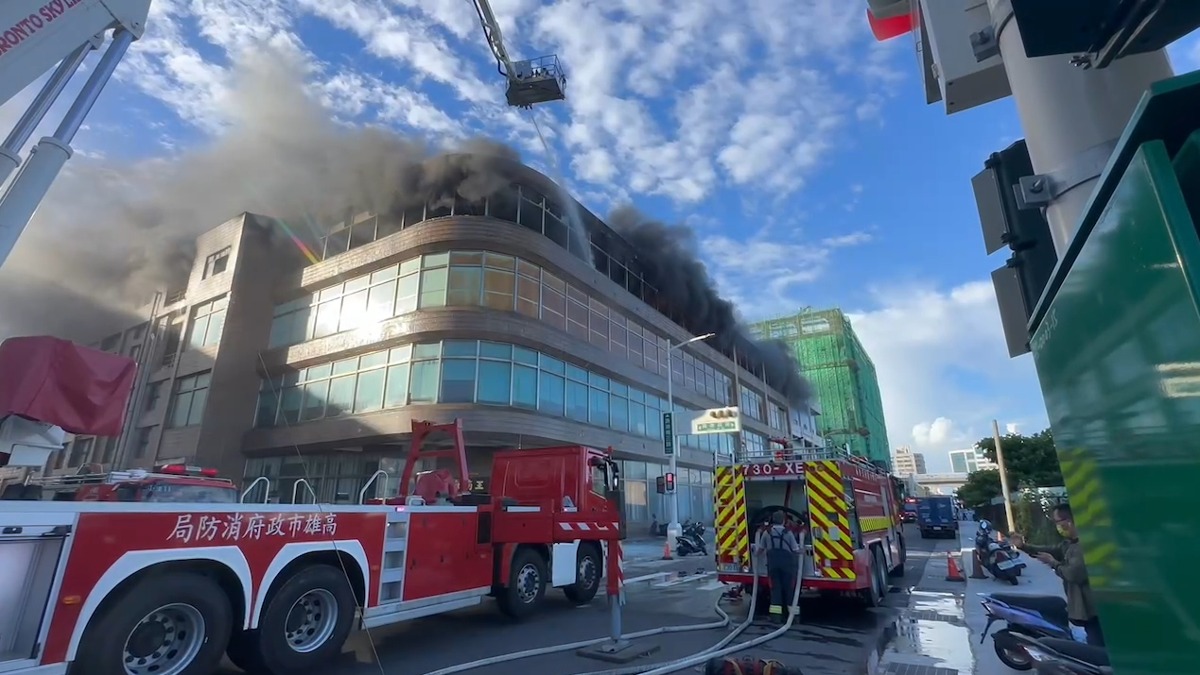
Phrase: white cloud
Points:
(663, 99)
(943, 368)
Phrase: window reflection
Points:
(468, 371)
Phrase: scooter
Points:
(1035, 616)
(691, 541)
(1001, 560)
(1054, 656)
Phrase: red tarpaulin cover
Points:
(80, 389)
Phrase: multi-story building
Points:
(969, 461)
(905, 462)
(292, 360)
(843, 376)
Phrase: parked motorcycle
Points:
(691, 540)
(1000, 559)
(1056, 656)
(1034, 616)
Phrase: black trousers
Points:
(783, 585)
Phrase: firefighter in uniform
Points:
(783, 563)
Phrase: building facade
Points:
(843, 376)
(969, 461)
(905, 462)
(298, 361)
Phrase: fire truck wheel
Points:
(873, 596)
(526, 584)
(168, 624)
(587, 575)
(303, 626)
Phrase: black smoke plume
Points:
(111, 233)
(686, 293)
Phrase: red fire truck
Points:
(843, 507)
(145, 587)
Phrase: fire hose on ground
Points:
(716, 651)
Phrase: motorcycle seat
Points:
(1052, 607)
(1090, 654)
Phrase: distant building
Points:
(905, 462)
(843, 375)
(969, 460)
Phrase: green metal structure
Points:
(843, 376)
(1116, 341)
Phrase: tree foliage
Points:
(1031, 461)
(980, 489)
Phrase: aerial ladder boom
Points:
(34, 36)
(530, 82)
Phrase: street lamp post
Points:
(674, 529)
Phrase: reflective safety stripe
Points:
(1089, 508)
(732, 530)
(874, 523)
(833, 548)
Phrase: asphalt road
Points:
(833, 638)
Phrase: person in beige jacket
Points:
(1066, 559)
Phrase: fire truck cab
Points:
(842, 507)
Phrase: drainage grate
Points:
(910, 669)
(928, 615)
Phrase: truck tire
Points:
(872, 596)
(302, 627)
(589, 564)
(526, 584)
(175, 623)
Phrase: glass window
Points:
(471, 258)
(290, 403)
(495, 350)
(345, 366)
(381, 301)
(433, 288)
(426, 350)
(499, 288)
(327, 318)
(373, 360)
(502, 262)
(396, 392)
(495, 382)
(551, 365)
(341, 396)
(577, 401)
(458, 381)
(460, 348)
(315, 395)
(577, 318)
(406, 293)
(436, 260)
(551, 394)
(464, 286)
(268, 408)
(368, 393)
(208, 322)
(354, 311)
(598, 407)
(618, 413)
(576, 373)
(529, 296)
(423, 382)
(554, 301)
(637, 418)
(523, 355)
(525, 381)
(188, 400)
(401, 354)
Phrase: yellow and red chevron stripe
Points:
(833, 549)
(1089, 507)
(732, 530)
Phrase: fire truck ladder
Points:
(43, 41)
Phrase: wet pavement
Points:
(919, 631)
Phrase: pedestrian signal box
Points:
(660, 485)
(669, 483)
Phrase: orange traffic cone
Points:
(977, 566)
(954, 570)
(667, 549)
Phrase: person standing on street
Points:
(1066, 559)
(783, 563)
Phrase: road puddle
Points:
(932, 633)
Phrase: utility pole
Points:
(674, 529)
(1072, 116)
(1008, 509)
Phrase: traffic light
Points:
(1009, 221)
(660, 485)
(669, 481)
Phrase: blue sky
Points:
(800, 151)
